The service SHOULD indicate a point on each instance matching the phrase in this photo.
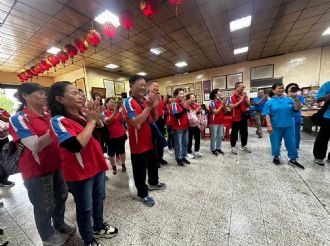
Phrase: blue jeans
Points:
(216, 136)
(180, 144)
(170, 140)
(48, 195)
(288, 133)
(89, 195)
(297, 134)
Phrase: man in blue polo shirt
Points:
(259, 103)
(322, 139)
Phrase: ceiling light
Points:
(326, 32)
(112, 66)
(157, 51)
(241, 50)
(142, 73)
(240, 23)
(53, 50)
(181, 64)
(107, 17)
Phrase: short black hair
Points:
(188, 96)
(108, 99)
(135, 78)
(237, 83)
(176, 91)
(291, 85)
(214, 93)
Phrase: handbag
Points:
(192, 118)
(317, 118)
(158, 138)
(10, 156)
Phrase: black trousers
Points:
(321, 141)
(3, 174)
(194, 132)
(141, 163)
(161, 126)
(242, 128)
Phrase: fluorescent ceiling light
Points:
(157, 51)
(181, 64)
(142, 73)
(112, 66)
(241, 50)
(326, 32)
(240, 23)
(107, 17)
(53, 50)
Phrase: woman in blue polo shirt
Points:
(279, 112)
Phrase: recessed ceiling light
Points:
(240, 23)
(112, 66)
(142, 73)
(326, 32)
(241, 50)
(109, 17)
(181, 64)
(53, 50)
(157, 51)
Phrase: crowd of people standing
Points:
(61, 122)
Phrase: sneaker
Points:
(7, 183)
(246, 149)
(184, 160)
(56, 239)
(233, 150)
(190, 156)
(94, 243)
(107, 231)
(148, 201)
(276, 161)
(297, 164)
(319, 162)
(67, 229)
(114, 170)
(220, 151)
(214, 152)
(180, 163)
(162, 161)
(197, 154)
(159, 186)
(123, 168)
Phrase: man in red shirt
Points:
(154, 88)
(140, 111)
(4, 118)
(180, 126)
(239, 104)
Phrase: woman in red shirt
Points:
(83, 163)
(40, 165)
(114, 119)
(169, 119)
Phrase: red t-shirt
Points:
(169, 116)
(27, 124)
(4, 112)
(216, 119)
(140, 140)
(237, 115)
(116, 128)
(182, 123)
(160, 107)
(80, 165)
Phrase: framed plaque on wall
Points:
(232, 79)
(207, 89)
(219, 82)
(199, 92)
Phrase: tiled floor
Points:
(226, 200)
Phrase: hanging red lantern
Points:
(33, 71)
(109, 30)
(149, 7)
(24, 76)
(54, 60)
(176, 3)
(81, 44)
(63, 57)
(93, 37)
(20, 78)
(28, 73)
(126, 20)
(45, 64)
(71, 51)
(39, 68)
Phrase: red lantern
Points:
(28, 73)
(24, 76)
(93, 37)
(126, 20)
(20, 78)
(45, 64)
(176, 3)
(149, 7)
(81, 44)
(63, 57)
(54, 60)
(109, 30)
(71, 51)
(33, 71)
(39, 68)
